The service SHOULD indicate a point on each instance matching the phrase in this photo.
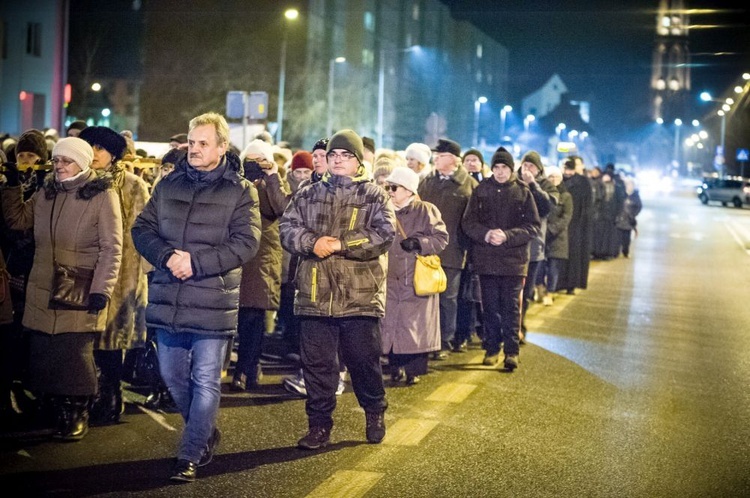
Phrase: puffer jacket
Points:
(352, 281)
(214, 217)
(83, 217)
(510, 207)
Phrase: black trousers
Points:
(502, 312)
(357, 339)
(251, 325)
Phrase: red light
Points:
(22, 95)
(67, 93)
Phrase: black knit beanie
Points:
(473, 152)
(320, 144)
(502, 155)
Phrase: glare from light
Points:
(694, 137)
(678, 122)
(507, 108)
(705, 97)
(340, 59)
(689, 142)
(660, 121)
(696, 122)
(699, 145)
(530, 118)
(291, 14)
(746, 76)
(106, 112)
(729, 100)
(482, 99)
(720, 112)
(738, 89)
(725, 107)
(96, 87)
(703, 134)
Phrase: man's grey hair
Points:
(218, 122)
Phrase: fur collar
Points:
(91, 186)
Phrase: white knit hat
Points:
(76, 149)
(401, 175)
(258, 147)
(420, 152)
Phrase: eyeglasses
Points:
(61, 160)
(344, 156)
(392, 188)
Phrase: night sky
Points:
(602, 50)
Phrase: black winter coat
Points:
(214, 217)
(451, 197)
(509, 206)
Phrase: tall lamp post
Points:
(677, 126)
(477, 107)
(331, 74)
(291, 15)
(725, 108)
(381, 89)
(503, 114)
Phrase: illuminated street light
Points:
(696, 123)
(738, 89)
(527, 121)
(291, 15)
(96, 86)
(477, 107)
(106, 112)
(746, 76)
(503, 114)
(677, 126)
(331, 70)
(660, 121)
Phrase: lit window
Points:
(415, 11)
(369, 21)
(479, 51)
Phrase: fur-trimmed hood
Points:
(87, 186)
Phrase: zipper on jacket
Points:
(314, 287)
(353, 221)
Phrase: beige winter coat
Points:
(84, 217)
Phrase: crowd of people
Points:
(208, 248)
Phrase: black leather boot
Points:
(108, 405)
(73, 418)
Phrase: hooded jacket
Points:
(352, 281)
(214, 217)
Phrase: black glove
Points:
(97, 302)
(411, 244)
(11, 174)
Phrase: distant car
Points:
(736, 192)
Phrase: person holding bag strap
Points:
(411, 326)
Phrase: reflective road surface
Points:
(635, 387)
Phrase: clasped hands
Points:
(180, 265)
(326, 245)
(496, 237)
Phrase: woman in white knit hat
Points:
(411, 326)
(76, 222)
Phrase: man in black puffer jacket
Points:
(200, 225)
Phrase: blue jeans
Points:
(190, 365)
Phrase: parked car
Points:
(725, 191)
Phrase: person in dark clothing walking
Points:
(501, 219)
(200, 225)
(575, 271)
(341, 227)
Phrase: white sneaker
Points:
(342, 386)
(295, 384)
(547, 300)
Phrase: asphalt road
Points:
(635, 387)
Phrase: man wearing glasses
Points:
(341, 228)
(449, 188)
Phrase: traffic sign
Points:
(743, 154)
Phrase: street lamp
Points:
(677, 126)
(503, 114)
(331, 71)
(291, 15)
(725, 108)
(527, 121)
(381, 89)
(477, 106)
(560, 128)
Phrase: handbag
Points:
(429, 276)
(70, 284)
